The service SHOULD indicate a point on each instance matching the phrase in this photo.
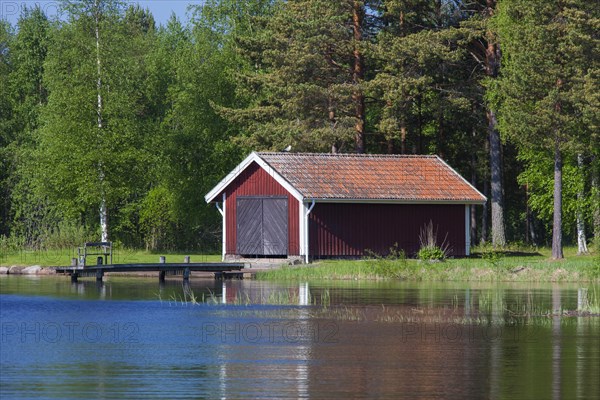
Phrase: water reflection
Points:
(141, 339)
(556, 350)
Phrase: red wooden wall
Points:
(255, 181)
(348, 229)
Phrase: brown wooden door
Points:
(249, 226)
(262, 226)
(275, 226)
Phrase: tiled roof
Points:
(372, 177)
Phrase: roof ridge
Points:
(283, 153)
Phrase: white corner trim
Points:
(306, 229)
(224, 251)
(301, 226)
(467, 230)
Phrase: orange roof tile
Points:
(372, 177)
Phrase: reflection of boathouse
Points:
(374, 358)
(341, 205)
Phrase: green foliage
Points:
(538, 177)
(66, 235)
(392, 265)
(182, 104)
(157, 219)
(548, 49)
(6, 129)
(301, 89)
(431, 253)
(492, 256)
(430, 248)
(10, 244)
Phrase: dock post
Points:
(186, 259)
(161, 274)
(99, 275)
(186, 274)
(73, 263)
(74, 277)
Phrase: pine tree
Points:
(308, 78)
(547, 53)
(485, 48)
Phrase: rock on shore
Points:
(27, 270)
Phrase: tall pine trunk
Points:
(485, 211)
(557, 251)
(492, 67)
(473, 216)
(101, 175)
(358, 74)
(498, 236)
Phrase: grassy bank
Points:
(62, 257)
(525, 266)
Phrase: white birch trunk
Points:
(596, 206)
(101, 175)
(581, 239)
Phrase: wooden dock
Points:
(221, 270)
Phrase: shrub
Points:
(434, 253)
(11, 244)
(390, 266)
(430, 250)
(491, 255)
(64, 235)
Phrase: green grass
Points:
(512, 265)
(62, 257)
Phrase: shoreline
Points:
(374, 271)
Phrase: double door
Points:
(262, 226)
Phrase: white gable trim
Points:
(252, 157)
(483, 198)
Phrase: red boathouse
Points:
(341, 205)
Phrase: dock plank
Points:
(100, 270)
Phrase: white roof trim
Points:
(252, 157)
(483, 198)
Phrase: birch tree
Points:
(90, 149)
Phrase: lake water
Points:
(134, 338)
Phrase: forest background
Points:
(114, 128)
